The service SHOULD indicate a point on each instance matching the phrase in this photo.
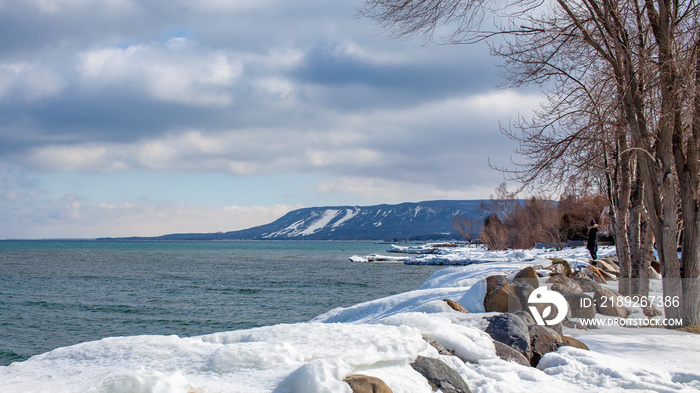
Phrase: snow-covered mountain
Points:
(412, 221)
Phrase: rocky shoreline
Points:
(516, 336)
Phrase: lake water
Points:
(59, 293)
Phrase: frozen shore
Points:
(379, 338)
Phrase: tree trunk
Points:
(621, 195)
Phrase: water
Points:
(60, 293)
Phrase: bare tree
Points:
(624, 107)
(467, 227)
(494, 234)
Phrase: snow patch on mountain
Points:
(321, 223)
(349, 214)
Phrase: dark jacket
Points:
(592, 237)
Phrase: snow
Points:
(377, 258)
(349, 214)
(378, 338)
(291, 229)
(297, 228)
(321, 223)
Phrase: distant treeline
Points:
(513, 223)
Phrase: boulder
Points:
(440, 375)
(561, 266)
(572, 342)
(526, 317)
(607, 266)
(594, 273)
(580, 305)
(607, 276)
(558, 279)
(543, 340)
(360, 383)
(527, 275)
(651, 312)
(611, 259)
(608, 302)
(500, 295)
(558, 327)
(509, 354)
(543, 330)
(574, 324)
(570, 286)
(587, 284)
(455, 306)
(522, 291)
(510, 330)
(656, 265)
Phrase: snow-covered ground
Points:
(378, 338)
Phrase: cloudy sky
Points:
(147, 117)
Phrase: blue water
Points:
(60, 293)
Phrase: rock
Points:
(651, 312)
(557, 279)
(527, 275)
(455, 306)
(607, 276)
(594, 273)
(607, 266)
(441, 350)
(561, 266)
(522, 291)
(509, 354)
(656, 265)
(568, 287)
(440, 375)
(510, 330)
(572, 342)
(611, 259)
(500, 295)
(543, 340)
(587, 284)
(360, 383)
(580, 305)
(543, 330)
(558, 327)
(608, 303)
(526, 317)
(574, 325)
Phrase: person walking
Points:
(592, 244)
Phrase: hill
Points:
(406, 221)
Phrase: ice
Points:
(378, 338)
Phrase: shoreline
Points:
(380, 338)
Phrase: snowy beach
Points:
(379, 338)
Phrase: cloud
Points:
(248, 90)
(72, 218)
(58, 6)
(29, 82)
(169, 73)
(388, 142)
(368, 188)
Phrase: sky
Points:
(149, 117)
